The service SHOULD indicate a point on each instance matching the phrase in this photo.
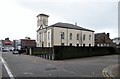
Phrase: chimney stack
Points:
(108, 34)
(76, 23)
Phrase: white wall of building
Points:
(57, 38)
(50, 36)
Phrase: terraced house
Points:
(64, 34)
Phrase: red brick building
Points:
(28, 43)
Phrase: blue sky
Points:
(18, 17)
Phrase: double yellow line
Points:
(105, 72)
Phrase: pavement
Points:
(113, 71)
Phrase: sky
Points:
(18, 17)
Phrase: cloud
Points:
(18, 17)
(17, 21)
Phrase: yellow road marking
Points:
(104, 72)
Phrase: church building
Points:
(64, 34)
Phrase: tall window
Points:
(70, 36)
(48, 35)
(40, 37)
(48, 44)
(77, 36)
(89, 37)
(62, 35)
(84, 37)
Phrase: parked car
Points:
(15, 51)
(4, 50)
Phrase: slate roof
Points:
(98, 35)
(70, 26)
(117, 38)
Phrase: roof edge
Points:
(42, 14)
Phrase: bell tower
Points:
(42, 21)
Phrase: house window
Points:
(77, 36)
(48, 35)
(70, 44)
(104, 38)
(40, 37)
(62, 35)
(70, 36)
(84, 37)
(89, 37)
(48, 44)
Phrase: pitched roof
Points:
(70, 26)
(98, 35)
(117, 38)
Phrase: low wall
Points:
(42, 50)
(68, 52)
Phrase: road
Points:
(31, 66)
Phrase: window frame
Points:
(62, 35)
(90, 37)
(77, 36)
(70, 36)
(84, 37)
(48, 35)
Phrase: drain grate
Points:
(50, 68)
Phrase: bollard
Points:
(52, 56)
(49, 56)
(45, 56)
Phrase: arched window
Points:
(84, 37)
(77, 36)
(89, 37)
(48, 35)
(62, 35)
(70, 36)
